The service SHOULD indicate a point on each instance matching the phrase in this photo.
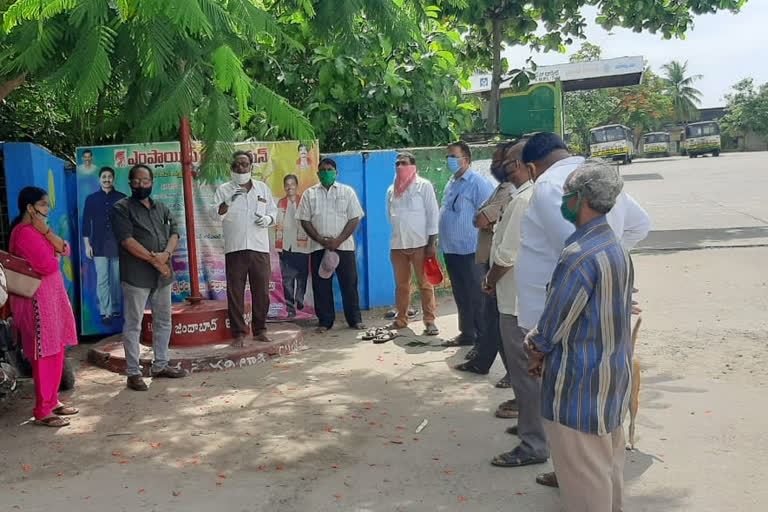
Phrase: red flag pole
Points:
(189, 209)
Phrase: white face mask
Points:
(240, 179)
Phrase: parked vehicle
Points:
(702, 138)
(614, 141)
(656, 144)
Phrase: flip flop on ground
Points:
(52, 421)
(516, 458)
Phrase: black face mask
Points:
(499, 174)
(141, 193)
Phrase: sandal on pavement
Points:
(471, 367)
(52, 421)
(504, 383)
(384, 337)
(458, 341)
(431, 330)
(509, 404)
(507, 414)
(547, 479)
(64, 410)
(321, 330)
(516, 459)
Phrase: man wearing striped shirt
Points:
(465, 192)
(581, 346)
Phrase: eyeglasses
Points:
(402, 163)
(242, 165)
(141, 181)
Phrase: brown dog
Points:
(634, 396)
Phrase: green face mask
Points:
(568, 214)
(327, 177)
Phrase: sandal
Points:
(384, 337)
(509, 404)
(321, 330)
(64, 410)
(507, 414)
(515, 459)
(52, 421)
(504, 383)
(512, 430)
(370, 334)
(458, 341)
(547, 479)
(471, 367)
(431, 330)
(471, 354)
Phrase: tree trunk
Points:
(11, 85)
(493, 103)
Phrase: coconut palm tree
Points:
(685, 97)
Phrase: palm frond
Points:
(55, 7)
(154, 48)
(280, 113)
(90, 13)
(188, 16)
(89, 67)
(230, 76)
(37, 46)
(175, 100)
(219, 17)
(20, 11)
(218, 137)
(254, 22)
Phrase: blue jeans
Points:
(108, 285)
(135, 301)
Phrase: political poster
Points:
(288, 168)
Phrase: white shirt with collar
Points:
(414, 215)
(329, 210)
(544, 232)
(240, 230)
(506, 246)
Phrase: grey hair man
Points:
(581, 346)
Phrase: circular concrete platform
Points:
(109, 353)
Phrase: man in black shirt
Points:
(148, 235)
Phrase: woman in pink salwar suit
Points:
(45, 321)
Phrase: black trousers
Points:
(466, 278)
(491, 343)
(322, 289)
(294, 267)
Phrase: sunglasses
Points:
(402, 163)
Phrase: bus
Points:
(614, 141)
(701, 138)
(656, 144)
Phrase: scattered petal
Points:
(279, 468)
(368, 405)
(462, 499)
(519, 494)
(337, 496)
(448, 471)
(262, 468)
(335, 466)
(26, 467)
(176, 493)
(116, 454)
(435, 458)
(329, 429)
(155, 445)
(356, 417)
(59, 474)
(399, 427)
(187, 395)
(125, 461)
(219, 484)
(142, 491)
(222, 475)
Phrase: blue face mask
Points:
(453, 164)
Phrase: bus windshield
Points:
(609, 134)
(702, 130)
(656, 137)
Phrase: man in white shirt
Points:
(330, 213)
(544, 230)
(413, 213)
(501, 282)
(87, 167)
(292, 243)
(246, 209)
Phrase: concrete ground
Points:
(332, 427)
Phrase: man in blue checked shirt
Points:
(465, 192)
(581, 346)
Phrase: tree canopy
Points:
(746, 109)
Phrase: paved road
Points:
(702, 202)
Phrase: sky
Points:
(723, 47)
